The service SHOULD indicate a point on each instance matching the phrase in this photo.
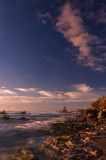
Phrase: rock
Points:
(5, 117)
(23, 118)
(102, 114)
(98, 105)
(91, 113)
(64, 110)
(24, 154)
(87, 140)
(23, 112)
(3, 112)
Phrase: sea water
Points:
(16, 133)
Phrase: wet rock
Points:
(102, 114)
(24, 153)
(5, 117)
(23, 118)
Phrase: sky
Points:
(52, 53)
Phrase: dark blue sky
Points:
(54, 47)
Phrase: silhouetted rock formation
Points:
(24, 118)
(3, 112)
(23, 112)
(64, 110)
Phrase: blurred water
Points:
(16, 133)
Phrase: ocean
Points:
(16, 133)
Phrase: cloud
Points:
(103, 88)
(47, 94)
(82, 87)
(82, 92)
(3, 87)
(19, 99)
(71, 25)
(26, 89)
(43, 17)
(48, 59)
(102, 14)
(77, 93)
(81, 95)
(7, 92)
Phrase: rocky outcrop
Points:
(97, 109)
(64, 110)
(98, 105)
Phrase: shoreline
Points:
(70, 140)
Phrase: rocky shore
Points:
(77, 139)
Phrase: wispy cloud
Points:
(7, 92)
(82, 87)
(103, 88)
(48, 59)
(102, 14)
(77, 93)
(71, 25)
(43, 17)
(47, 94)
(26, 89)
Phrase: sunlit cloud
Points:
(71, 25)
(3, 87)
(7, 92)
(77, 93)
(47, 94)
(26, 89)
(82, 87)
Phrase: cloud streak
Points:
(43, 17)
(26, 89)
(7, 92)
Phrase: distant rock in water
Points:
(23, 112)
(64, 110)
(24, 118)
(3, 112)
(5, 117)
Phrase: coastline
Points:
(71, 140)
